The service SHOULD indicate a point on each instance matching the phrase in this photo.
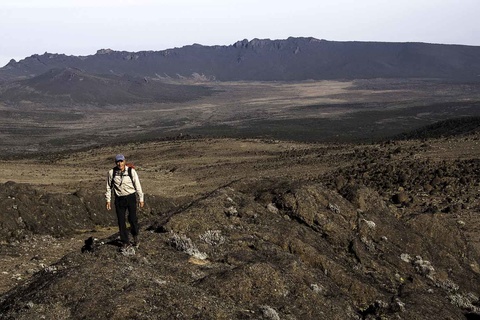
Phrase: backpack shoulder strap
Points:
(113, 177)
(131, 177)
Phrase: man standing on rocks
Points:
(124, 182)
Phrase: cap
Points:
(119, 157)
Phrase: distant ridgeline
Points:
(269, 60)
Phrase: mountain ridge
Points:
(70, 85)
(292, 59)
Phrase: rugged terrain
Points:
(352, 198)
(248, 229)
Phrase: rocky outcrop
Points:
(430, 186)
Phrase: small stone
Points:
(272, 208)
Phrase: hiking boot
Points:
(135, 241)
(125, 246)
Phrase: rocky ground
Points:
(248, 229)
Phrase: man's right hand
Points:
(109, 206)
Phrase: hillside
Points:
(249, 229)
(69, 86)
(292, 59)
(445, 128)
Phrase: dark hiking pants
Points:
(122, 204)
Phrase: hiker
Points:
(124, 182)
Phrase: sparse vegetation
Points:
(250, 229)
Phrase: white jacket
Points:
(123, 185)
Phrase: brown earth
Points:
(248, 229)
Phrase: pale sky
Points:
(81, 27)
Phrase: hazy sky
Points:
(81, 27)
